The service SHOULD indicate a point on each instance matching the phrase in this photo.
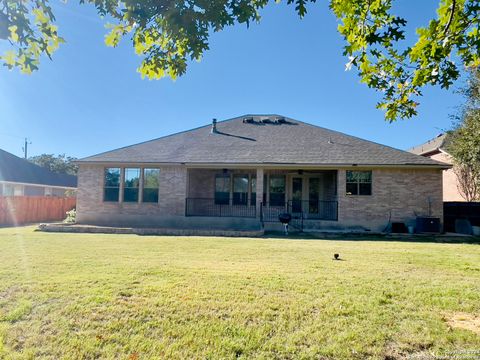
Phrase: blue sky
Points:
(90, 98)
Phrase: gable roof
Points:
(15, 169)
(262, 139)
(431, 146)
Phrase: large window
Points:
(359, 183)
(277, 190)
(131, 185)
(240, 190)
(111, 188)
(150, 185)
(222, 189)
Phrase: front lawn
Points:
(86, 296)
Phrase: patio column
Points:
(259, 191)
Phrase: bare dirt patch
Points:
(464, 321)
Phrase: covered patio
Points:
(262, 193)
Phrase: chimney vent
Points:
(214, 126)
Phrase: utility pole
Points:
(25, 148)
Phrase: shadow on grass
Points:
(418, 238)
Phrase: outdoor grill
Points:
(285, 219)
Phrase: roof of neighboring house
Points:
(15, 169)
(431, 146)
(262, 139)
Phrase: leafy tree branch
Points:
(167, 34)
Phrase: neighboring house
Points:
(435, 149)
(19, 177)
(246, 171)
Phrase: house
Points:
(243, 172)
(19, 177)
(436, 149)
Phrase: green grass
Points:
(89, 296)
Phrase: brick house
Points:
(243, 172)
(436, 149)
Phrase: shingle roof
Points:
(431, 146)
(15, 169)
(262, 139)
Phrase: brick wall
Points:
(404, 193)
(92, 209)
(450, 182)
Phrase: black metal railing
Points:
(301, 210)
(208, 207)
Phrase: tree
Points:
(60, 164)
(169, 33)
(465, 140)
(467, 184)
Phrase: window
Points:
(8, 190)
(359, 182)
(111, 189)
(277, 190)
(150, 185)
(222, 189)
(253, 190)
(131, 185)
(240, 190)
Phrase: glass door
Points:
(313, 196)
(297, 194)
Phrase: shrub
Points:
(71, 215)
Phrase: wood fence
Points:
(17, 210)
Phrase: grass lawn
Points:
(89, 296)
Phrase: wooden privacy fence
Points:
(17, 210)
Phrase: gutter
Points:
(439, 165)
(39, 185)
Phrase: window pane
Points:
(112, 177)
(130, 195)
(131, 185)
(365, 188)
(112, 184)
(151, 183)
(222, 189)
(297, 194)
(352, 189)
(313, 195)
(132, 178)
(253, 190)
(240, 189)
(150, 195)
(277, 190)
(351, 176)
(364, 176)
(151, 178)
(111, 194)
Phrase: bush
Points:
(71, 215)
